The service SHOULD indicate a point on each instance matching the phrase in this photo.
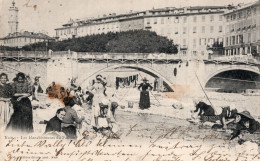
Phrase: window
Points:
(220, 17)
(211, 29)
(203, 29)
(194, 19)
(176, 20)
(203, 41)
(184, 41)
(211, 17)
(254, 11)
(194, 42)
(228, 18)
(239, 15)
(227, 41)
(203, 18)
(176, 30)
(194, 29)
(233, 40)
(162, 20)
(234, 16)
(155, 20)
(254, 37)
(184, 30)
(184, 19)
(240, 39)
(249, 37)
(220, 29)
(148, 21)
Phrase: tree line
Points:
(137, 41)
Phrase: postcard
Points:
(128, 80)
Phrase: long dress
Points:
(6, 108)
(98, 96)
(22, 118)
(144, 102)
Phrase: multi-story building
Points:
(194, 29)
(242, 30)
(20, 39)
(105, 24)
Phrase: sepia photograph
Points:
(129, 80)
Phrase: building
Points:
(242, 34)
(104, 24)
(13, 19)
(194, 29)
(20, 39)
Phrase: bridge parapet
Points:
(153, 57)
(247, 59)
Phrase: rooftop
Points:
(28, 34)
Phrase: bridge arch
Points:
(229, 69)
(144, 69)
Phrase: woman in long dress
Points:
(6, 93)
(144, 102)
(22, 118)
(98, 90)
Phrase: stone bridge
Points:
(190, 72)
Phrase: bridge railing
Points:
(26, 54)
(83, 55)
(129, 56)
(237, 58)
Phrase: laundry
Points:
(126, 81)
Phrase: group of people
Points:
(230, 119)
(67, 121)
(16, 108)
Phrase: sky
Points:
(46, 15)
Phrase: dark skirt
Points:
(70, 132)
(22, 118)
(144, 102)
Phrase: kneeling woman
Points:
(22, 118)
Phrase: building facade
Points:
(194, 29)
(242, 34)
(20, 39)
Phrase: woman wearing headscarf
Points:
(6, 92)
(144, 102)
(22, 118)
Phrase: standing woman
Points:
(6, 94)
(98, 90)
(22, 118)
(144, 102)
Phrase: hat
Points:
(144, 79)
(105, 101)
(246, 114)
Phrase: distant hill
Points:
(138, 41)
